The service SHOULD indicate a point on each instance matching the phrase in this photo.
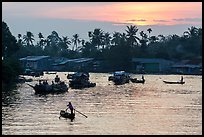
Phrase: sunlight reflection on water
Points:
(132, 108)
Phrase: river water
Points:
(153, 108)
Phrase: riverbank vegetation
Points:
(10, 63)
(116, 48)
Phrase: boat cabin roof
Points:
(78, 74)
(119, 73)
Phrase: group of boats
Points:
(122, 77)
(80, 80)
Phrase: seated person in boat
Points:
(85, 76)
(57, 79)
(40, 82)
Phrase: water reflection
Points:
(10, 96)
(150, 108)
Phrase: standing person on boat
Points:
(142, 77)
(181, 78)
(69, 106)
(57, 79)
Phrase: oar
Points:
(80, 113)
(30, 85)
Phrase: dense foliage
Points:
(117, 49)
(10, 63)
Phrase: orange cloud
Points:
(139, 13)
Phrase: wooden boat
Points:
(110, 78)
(53, 88)
(66, 115)
(81, 84)
(135, 80)
(21, 79)
(174, 82)
(80, 80)
(119, 77)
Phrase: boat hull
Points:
(53, 89)
(174, 82)
(79, 84)
(137, 81)
(66, 115)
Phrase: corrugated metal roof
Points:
(150, 60)
(186, 65)
(83, 60)
(118, 73)
(79, 60)
(34, 58)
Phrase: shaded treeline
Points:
(116, 49)
(10, 63)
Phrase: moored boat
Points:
(45, 88)
(119, 77)
(80, 80)
(135, 80)
(174, 82)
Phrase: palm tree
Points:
(52, 42)
(131, 35)
(192, 32)
(97, 37)
(107, 39)
(82, 42)
(28, 38)
(76, 41)
(40, 36)
(149, 30)
(116, 38)
(19, 39)
(162, 38)
(65, 43)
(144, 40)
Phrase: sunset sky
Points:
(68, 18)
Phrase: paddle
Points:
(80, 113)
(30, 85)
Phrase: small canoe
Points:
(66, 115)
(174, 82)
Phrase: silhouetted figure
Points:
(57, 79)
(142, 77)
(69, 106)
(40, 82)
(181, 78)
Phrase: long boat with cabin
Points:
(45, 88)
(80, 80)
(119, 77)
